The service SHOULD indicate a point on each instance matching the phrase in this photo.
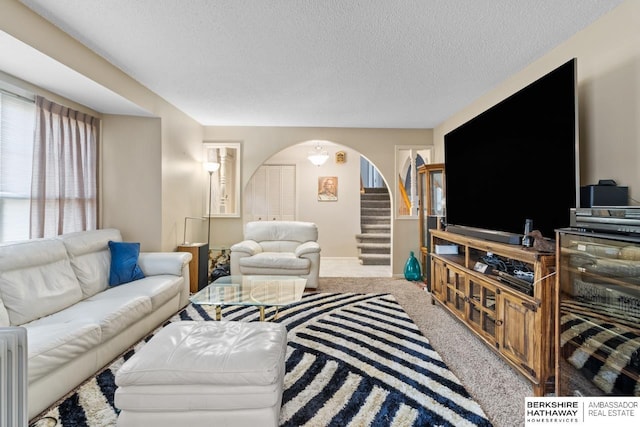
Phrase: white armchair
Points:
(281, 248)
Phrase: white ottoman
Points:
(203, 374)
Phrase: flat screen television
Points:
(518, 160)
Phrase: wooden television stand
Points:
(516, 325)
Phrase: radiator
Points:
(13, 377)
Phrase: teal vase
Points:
(412, 269)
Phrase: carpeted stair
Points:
(375, 225)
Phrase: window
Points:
(17, 124)
(48, 168)
(408, 160)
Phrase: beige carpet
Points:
(497, 387)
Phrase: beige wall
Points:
(608, 57)
(150, 174)
(377, 145)
(182, 186)
(130, 172)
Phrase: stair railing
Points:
(405, 208)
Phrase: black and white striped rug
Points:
(352, 360)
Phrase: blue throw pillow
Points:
(124, 263)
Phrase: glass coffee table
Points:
(258, 291)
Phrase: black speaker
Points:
(199, 265)
(603, 195)
(203, 267)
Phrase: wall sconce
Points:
(318, 156)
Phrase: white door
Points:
(270, 194)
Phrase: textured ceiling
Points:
(334, 63)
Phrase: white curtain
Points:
(64, 181)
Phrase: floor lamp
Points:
(210, 167)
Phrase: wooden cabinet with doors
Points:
(430, 209)
(512, 311)
(483, 311)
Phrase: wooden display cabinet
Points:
(516, 325)
(431, 209)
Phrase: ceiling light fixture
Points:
(318, 156)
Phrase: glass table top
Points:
(262, 291)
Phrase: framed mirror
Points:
(408, 160)
(221, 172)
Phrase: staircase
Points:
(375, 226)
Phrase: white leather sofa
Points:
(57, 288)
(278, 248)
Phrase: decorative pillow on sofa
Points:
(124, 263)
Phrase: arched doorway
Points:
(291, 186)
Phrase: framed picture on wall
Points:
(327, 188)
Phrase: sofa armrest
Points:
(307, 248)
(250, 247)
(154, 263)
